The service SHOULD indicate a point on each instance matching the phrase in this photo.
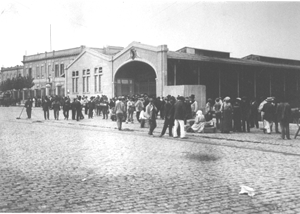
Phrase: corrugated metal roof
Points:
(234, 61)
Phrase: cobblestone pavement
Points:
(89, 166)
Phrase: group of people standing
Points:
(237, 115)
(241, 114)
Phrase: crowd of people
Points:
(180, 114)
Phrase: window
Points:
(56, 70)
(83, 83)
(87, 83)
(49, 70)
(97, 76)
(30, 72)
(42, 72)
(75, 78)
(37, 72)
(86, 80)
(62, 69)
(99, 82)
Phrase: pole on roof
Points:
(50, 39)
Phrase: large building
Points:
(48, 70)
(155, 70)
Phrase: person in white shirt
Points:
(143, 118)
(194, 105)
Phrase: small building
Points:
(11, 72)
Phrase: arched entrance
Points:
(135, 78)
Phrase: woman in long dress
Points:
(226, 116)
(200, 121)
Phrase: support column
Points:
(48, 86)
(198, 75)
(255, 95)
(284, 85)
(23, 95)
(219, 75)
(175, 73)
(270, 84)
(238, 83)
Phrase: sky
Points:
(239, 27)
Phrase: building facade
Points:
(11, 72)
(155, 70)
(48, 70)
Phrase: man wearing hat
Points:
(120, 111)
(179, 116)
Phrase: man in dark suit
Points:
(28, 106)
(283, 113)
(179, 116)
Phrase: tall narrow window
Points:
(83, 83)
(62, 69)
(75, 77)
(73, 85)
(49, 70)
(95, 83)
(42, 72)
(86, 80)
(76, 84)
(97, 75)
(87, 83)
(30, 72)
(56, 70)
(37, 72)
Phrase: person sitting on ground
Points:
(199, 124)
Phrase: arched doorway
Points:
(135, 78)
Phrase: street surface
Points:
(90, 166)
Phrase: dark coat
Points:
(46, 104)
(283, 112)
(28, 104)
(269, 111)
(91, 105)
(179, 110)
(67, 105)
(56, 105)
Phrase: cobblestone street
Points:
(90, 166)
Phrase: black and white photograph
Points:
(136, 106)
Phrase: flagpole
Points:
(50, 39)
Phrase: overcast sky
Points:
(241, 28)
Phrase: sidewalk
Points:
(255, 135)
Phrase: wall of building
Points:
(187, 90)
(156, 57)
(10, 72)
(89, 61)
